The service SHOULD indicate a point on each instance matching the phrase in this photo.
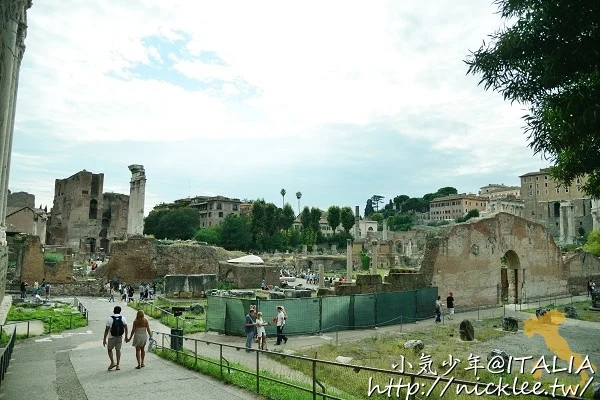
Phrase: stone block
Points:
(414, 344)
(368, 279)
(498, 355)
(467, 333)
(276, 295)
(571, 312)
(510, 324)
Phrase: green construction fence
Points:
(324, 314)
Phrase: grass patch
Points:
(60, 318)
(582, 309)
(268, 389)
(442, 346)
(188, 321)
(53, 257)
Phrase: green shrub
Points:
(53, 257)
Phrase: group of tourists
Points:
(38, 289)
(449, 306)
(255, 327)
(116, 329)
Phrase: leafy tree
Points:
(365, 261)
(447, 191)
(153, 219)
(287, 217)
(548, 59)
(399, 200)
(376, 199)
(474, 213)
(415, 204)
(315, 219)
(210, 235)
(334, 217)
(305, 218)
(347, 218)
(236, 233)
(369, 208)
(593, 243)
(180, 223)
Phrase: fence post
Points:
(221, 359)
(257, 372)
(163, 342)
(478, 319)
(401, 324)
(50, 327)
(71, 321)
(314, 378)
(195, 352)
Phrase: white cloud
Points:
(284, 75)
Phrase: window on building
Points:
(546, 177)
(566, 189)
(530, 186)
(556, 209)
(546, 191)
(234, 207)
(84, 192)
(546, 184)
(220, 214)
(531, 192)
(209, 215)
(537, 192)
(219, 206)
(93, 214)
(557, 190)
(536, 178)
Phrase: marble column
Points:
(409, 248)
(595, 214)
(570, 223)
(374, 261)
(137, 194)
(321, 276)
(561, 225)
(13, 30)
(385, 229)
(349, 260)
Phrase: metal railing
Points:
(312, 384)
(81, 308)
(6, 353)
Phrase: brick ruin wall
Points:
(582, 266)
(468, 260)
(142, 260)
(248, 276)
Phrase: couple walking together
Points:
(116, 328)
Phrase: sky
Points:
(338, 100)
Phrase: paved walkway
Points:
(72, 366)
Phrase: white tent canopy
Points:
(250, 259)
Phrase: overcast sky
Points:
(339, 100)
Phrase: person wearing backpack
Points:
(116, 325)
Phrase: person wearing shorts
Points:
(114, 342)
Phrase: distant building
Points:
(84, 218)
(508, 204)
(31, 221)
(566, 211)
(456, 205)
(500, 190)
(213, 210)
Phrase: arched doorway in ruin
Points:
(511, 278)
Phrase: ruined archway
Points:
(511, 278)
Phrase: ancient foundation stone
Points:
(416, 345)
(510, 324)
(498, 355)
(467, 332)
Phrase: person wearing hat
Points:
(450, 304)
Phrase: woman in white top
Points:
(260, 331)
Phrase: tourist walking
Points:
(438, 310)
(140, 332)
(111, 295)
(116, 326)
(450, 305)
(250, 328)
(261, 334)
(589, 288)
(47, 291)
(36, 288)
(281, 318)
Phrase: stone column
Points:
(321, 276)
(561, 225)
(357, 222)
(595, 214)
(409, 248)
(385, 229)
(304, 249)
(349, 260)
(137, 194)
(374, 259)
(570, 223)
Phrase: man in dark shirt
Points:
(250, 328)
(450, 305)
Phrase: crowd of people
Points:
(127, 292)
(38, 289)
